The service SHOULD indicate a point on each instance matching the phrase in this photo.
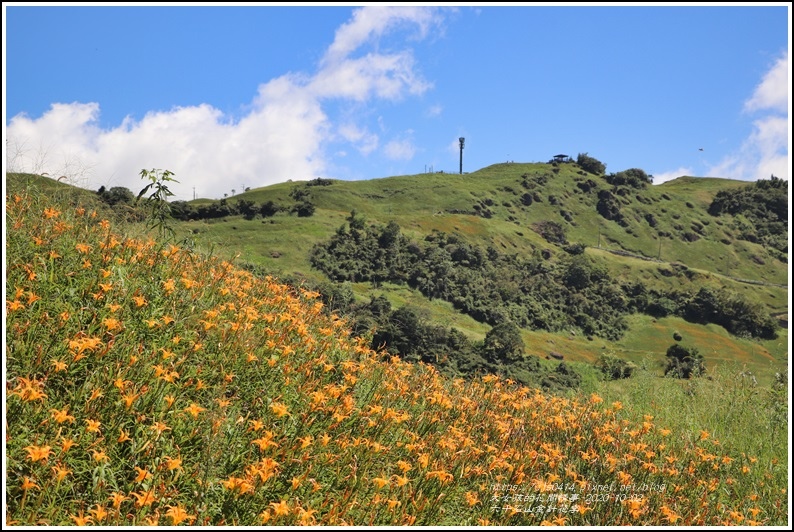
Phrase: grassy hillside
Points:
(448, 202)
(148, 384)
(662, 228)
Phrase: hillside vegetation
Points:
(152, 384)
(661, 244)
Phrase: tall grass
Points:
(150, 385)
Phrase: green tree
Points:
(590, 164)
(116, 195)
(503, 344)
(684, 362)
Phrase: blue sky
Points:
(246, 96)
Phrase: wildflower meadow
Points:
(152, 384)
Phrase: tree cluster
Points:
(407, 333)
(532, 292)
(489, 286)
(760, 212)
(633, 177)
(590, 164)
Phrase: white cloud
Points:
(658, 179)
(402, 150)
(765, 151)
(385, 76)
(772, 92)
(365, 141)
(369, 23)
(282, 137)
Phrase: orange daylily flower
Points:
(178, 514)
(61, 416)
(279, 409)
(36, 453)
(281, 508)
(194, 410)
(143, 499)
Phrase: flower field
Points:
(148, 384)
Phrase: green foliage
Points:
(614, 368)
(356, 221)
(116, 195)
(320, 182)
(575, 248)
(156, 203)
(269, 209)
(590, 164)
(609, 207)
(485, 284)
(552, 232)
(581, 272)
(633, 177)
(503, 344)
(408, 333)
(247, 208)
(182, 210)
(760, 212)
(684, 362)
(300, 193)
(732, 311)
(304, 209)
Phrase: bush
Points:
(633, 177)
(304, 209)
(591, 164)
(269, 209)
(575, 248)
(615, 368)
(684, 362)
(116, 195)
(503, 344)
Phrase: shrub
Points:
(503, 343)
(633, 177)
(269, 209)
(304, 209)
(116, 195)
(684, 362)
(591, 164)
(615, 368)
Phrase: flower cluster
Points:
(148, 385)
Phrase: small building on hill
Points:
(561, 158)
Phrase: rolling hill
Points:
(151, 383)
(660, 236)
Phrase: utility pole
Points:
(194, 192)
(461, 140)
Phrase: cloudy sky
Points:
(246, 96)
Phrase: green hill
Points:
(661, 237)
(151, 384)
(486, 207)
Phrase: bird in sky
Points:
(700, 149)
